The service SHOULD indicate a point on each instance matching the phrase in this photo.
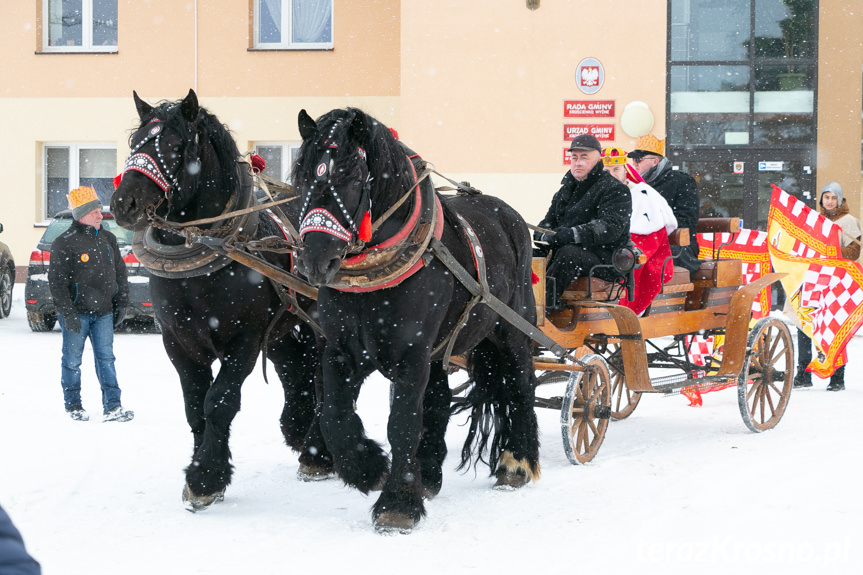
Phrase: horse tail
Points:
(489, 409)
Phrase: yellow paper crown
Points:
(613, 156)
(80, 196)
(652, 144)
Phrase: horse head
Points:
(182, 165)
(348, 169)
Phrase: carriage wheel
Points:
(764, 385)
(585, 411)
(623, 400)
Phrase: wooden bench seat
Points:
(590, 288)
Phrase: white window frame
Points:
(86, 31)
(288, 44)
(74, 167)
(288, 153)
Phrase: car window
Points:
(124, 236)
(53, 231)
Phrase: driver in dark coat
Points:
(589, 216)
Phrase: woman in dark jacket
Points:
(590, 217)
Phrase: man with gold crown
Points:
(88, 282)
(678, 188)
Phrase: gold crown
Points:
(613, 156)
(81, 196)
(652, 144)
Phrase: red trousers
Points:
(649, 278)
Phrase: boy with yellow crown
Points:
(652, 220)
(88, 282)
(678, 188)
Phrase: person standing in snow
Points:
(88, 282)
(589, 218)
(834, 207)
(652, 220)
(678, 188)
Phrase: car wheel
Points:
(41, 321)
(6, 284)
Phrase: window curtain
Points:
(274, 7)
(311, 19)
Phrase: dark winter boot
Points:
(118, 414)
(837, 380)
(836, 385)
(802, 379)
(77, 413)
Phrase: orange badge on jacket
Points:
(85, 258)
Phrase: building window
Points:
(293, 24)
(742, 72)
(79, 25)
(280, 158)
(67, 166)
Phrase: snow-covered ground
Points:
(674, 489)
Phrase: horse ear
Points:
(308, 127)
(189, 106)
(143, 107)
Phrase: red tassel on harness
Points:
(365, 231)
(117, 179)
(534, 279)
(258, 162)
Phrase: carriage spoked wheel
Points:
(764, 384)
(623, 400)
(586, 410)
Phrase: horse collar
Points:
(400, 256)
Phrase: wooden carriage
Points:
(611, 351)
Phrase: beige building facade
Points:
(487, 90)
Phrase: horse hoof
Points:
(514, 473)
(510, 481)
(314, 473)
(391, 522)
(195, 503)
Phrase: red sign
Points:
(588, 108)
(600, 131)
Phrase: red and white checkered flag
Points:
(824, 289)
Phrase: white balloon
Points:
(636, 119)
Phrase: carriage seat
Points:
(591, 288)
(718, 225)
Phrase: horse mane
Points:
(208, 129)
(390, 170)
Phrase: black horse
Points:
(394, 308)
(183, 168)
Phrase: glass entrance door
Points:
(739, 183)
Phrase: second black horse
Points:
(386, 304)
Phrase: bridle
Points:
(321, 219)
(157, 168)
